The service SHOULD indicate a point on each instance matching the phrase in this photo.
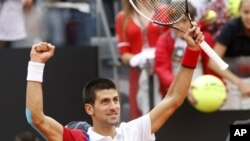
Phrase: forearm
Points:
(34, 102)
(227, 74)
(180, 86)
(34, 96)
(177, 92)
(174, 99)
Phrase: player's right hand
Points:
(41, 52)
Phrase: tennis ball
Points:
(233, 6)
(209, 92)
(211, 15)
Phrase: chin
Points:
(114, 122)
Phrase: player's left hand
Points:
(194, 36)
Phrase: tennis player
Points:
(101, 101)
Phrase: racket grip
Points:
(213, 55)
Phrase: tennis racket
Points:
(168, 13)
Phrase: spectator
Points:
(134, 34)
(12, 25)
(233, 44)
(213, 25)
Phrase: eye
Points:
(105, 102)
(116, 100)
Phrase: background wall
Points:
(188, 124)
(64, 77)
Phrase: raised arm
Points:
(179, 88)
(48, 127)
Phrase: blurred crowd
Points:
(61, 22)
(226, 27)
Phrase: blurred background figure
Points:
(233, 44)
(199, 5)
(214, 15)
(12, 24)
(69, 26)
(134, 35)
(26, 136)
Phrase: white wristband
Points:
(35, 71)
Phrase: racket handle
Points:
(213, 55)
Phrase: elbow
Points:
(32, 119)
(177, 101)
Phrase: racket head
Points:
(162, 12)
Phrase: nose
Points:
(114, 105)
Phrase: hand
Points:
(41, 52)
(244, 88)
(193, 37)
(27, 4)
(141, 58)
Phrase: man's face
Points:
(106, 109)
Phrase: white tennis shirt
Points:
(135, 130)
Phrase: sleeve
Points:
(74, 135)
(123, 45)
(163, 62)
(143, 124)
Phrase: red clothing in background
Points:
(163, 59)
(132, 42)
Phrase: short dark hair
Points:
(26, 136)
(89, 90)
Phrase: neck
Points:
(105, 130)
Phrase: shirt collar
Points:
(92, 134)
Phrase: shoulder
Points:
(81, 125)
(74, 134)
(145, 119)
(233, 23)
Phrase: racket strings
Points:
(161, 11)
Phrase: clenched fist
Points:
(41, 52)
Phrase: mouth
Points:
(113, 115)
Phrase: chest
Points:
(238, 46)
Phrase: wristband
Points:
(35, 71)
(190, 58)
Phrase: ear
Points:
(89, 109)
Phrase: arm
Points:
(179, 88)
(123, 45)
(220, 49)
(51, 129)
